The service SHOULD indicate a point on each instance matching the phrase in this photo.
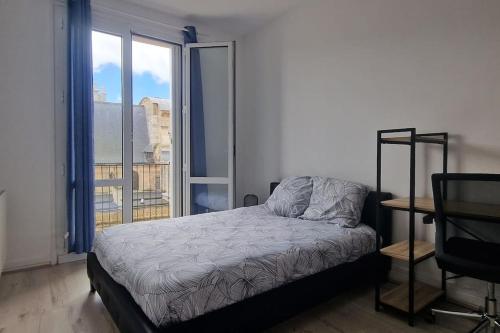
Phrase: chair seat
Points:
(474, 250)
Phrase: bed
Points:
(238, 270)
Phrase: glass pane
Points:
(152, 126)
(473, 192)
(206, 198)
(475, 206)
(108, 203)
(209, 119)
(107, 76)
(151, 191)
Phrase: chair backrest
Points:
(466, 199)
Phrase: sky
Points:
(151, 68)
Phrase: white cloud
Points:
(153, 59)
(106, 49)
(146, 58)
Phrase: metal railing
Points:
(150, 197)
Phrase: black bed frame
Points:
(260, 311)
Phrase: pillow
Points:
(291, 197)
(335, 200)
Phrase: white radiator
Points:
(3, 228)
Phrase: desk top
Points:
(469, 210)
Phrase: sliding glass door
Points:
(209, 128)
(136, 111)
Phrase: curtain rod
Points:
(169, 26)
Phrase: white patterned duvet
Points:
(180, 268)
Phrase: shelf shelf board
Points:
(398, 296)
(406, 140)
(422, 205)
(397, 140)
(421, 250)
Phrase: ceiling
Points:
(235, 16)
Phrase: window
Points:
(132, 180)
(165, 155)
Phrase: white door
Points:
(208, 116)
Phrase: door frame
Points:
(187, 179)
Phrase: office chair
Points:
(471, 203)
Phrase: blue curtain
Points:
(80, 129)
(198, 157)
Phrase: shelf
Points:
(422, 294)
(398, 297)
(406, 140)
(421, 250)
(397, 140)
(422, 205)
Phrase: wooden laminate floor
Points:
(56, 299)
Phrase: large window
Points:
(143, 160)
(133, 128)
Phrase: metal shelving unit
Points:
(410, 297)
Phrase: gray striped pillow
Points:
(291, 197)
(335, 200)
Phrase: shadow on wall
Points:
(484, 159)
(260, 152)
(484, 155)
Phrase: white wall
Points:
(319, 81)
(27, 129)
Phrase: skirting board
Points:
(19, 265)
(70, 257)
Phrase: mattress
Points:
(177, 269)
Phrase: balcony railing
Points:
(150, 197)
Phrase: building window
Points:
(149, 156)
(165, 155)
